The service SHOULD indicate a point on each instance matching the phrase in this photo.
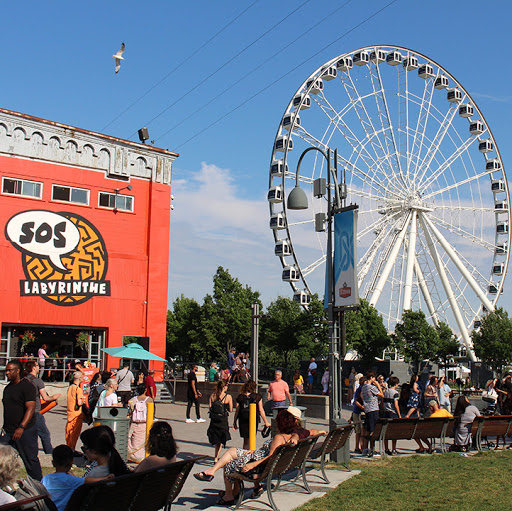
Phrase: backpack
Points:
(30, 487)
(243, 414)
(140, 410)
(217, 410)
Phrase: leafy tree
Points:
(447, 344)
(415, 338)
(290, 333)
(366, 333)
(493, 341)
(226, 315)
(183, 323)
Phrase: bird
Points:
(118, 57)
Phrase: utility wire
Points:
(179, 65)
(253, 70)
(225, 64)
(287, 73)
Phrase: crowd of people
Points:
(372, 397)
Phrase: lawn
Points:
(413, 483)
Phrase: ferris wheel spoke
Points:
(466, 208)
(436, 143)
(449, 250)
(375, 225)
(304, 222)
(463, 234)
(313, 266)
(389, 263)
(425, 291)
(446, 165)
(385, 120)
(447, 288)
(411, 249)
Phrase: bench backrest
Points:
(498, 425)
(304, 447)
(19, 505)
(430, 427)
(336, 439)
(399, 429)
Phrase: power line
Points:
(253, 70)
(286, 74)
(225, 64)
(180, 64)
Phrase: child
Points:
(61, 484)
(298, 382)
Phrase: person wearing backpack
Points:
(221, 403)
(246, 396)
(138, 412)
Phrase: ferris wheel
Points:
(421, 162)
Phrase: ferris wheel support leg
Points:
(447, 288)
(425, 292)
(458, 263)
(389, 264)
(411, 249)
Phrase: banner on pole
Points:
(346, 291)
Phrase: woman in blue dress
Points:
(414, 399)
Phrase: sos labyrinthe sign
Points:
(64, 257)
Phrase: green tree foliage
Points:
(183, 328)
(493, 341)
(447, 344)
(290, 333)
(366, 333)
(415, 338)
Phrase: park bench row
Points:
(439, 428)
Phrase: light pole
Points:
(297, 199)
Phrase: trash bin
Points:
(115, 418)
(340, 455)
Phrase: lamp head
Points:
(297, 199)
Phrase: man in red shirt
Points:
(279, 391)
(149, 381)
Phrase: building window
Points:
(70, 194)
(116, 201)
(22, 187)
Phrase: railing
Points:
(60, 369)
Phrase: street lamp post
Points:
(336, 317)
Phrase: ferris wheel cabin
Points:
(497, 269)
(378, 56)
(284, 143)
(466, 110)
(277, 221)
(275, 194)
(454, 95)
(302, 101)
(426, 71)
(492, 289)
(277, 168)
(344, 64)
(476, 128)
(502, 227)
(501, 205)
(330, 73)
(302, 297)
(289, 122)
(282, 248)
(497, 185)
(441, 82)
(493, 164)
(315, 86)
(290, 274)
(486, 146)
(410, 63)
(361, 58)
(394, 58)
(501, 248)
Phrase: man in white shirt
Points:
(124, 379)
(311, 374)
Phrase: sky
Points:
(211, 81)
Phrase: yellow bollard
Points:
(252, 426)
(149, 421)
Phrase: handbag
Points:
(265, 431)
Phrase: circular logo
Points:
(86, 263)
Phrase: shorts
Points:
(371, 421)
(310, 380)
(356, 419)
(280, 404)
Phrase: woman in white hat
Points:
(300, 431)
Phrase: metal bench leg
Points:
(304, 481)
(278, 483)
(241, 490)
(322, 469)
(269, 493)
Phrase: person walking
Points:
(247, 396)
(75, 417)
(444, 393)
(150, 385)
(370, 393)
(231, 360)
(138, 413)
(20, 430)
(42, 356)
(325, 382)
(125, 379)
(221, 403)
(279, 391)
(32, 368)
(311, 374)
(193, 395)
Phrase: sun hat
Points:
(295, 412)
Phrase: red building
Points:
(84, 244)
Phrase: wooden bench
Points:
(286, 457)
(19, 505)
(143, 491)
(335, 439)
(494, 425)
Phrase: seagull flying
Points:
(118, 57)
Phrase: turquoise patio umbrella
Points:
(132, 351)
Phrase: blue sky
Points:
(56, 63)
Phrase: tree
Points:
(415, 338)
(226, 315)
(447, 344)
(183, 328)
(366, 333)
(493, 341)
(290, 333)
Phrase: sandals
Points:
(256, 493)
(222, 502)
(201, 476)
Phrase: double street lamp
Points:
(298, 200)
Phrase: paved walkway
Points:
(192, 441)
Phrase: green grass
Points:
(416, 483)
